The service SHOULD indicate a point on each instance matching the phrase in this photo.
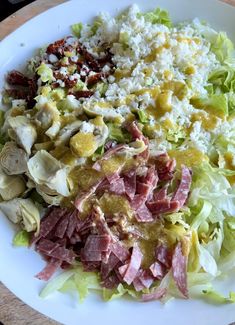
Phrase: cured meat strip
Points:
(143, 214)
(106, 268)
(163, 206)
(121, 252)
(61, 228)
(72, 223)
(130, 185)
(63, 254)
(80, 199)
(160, 194)
(109, 153)
(49, 269)
(111, 282)
(158, 294)
(157, 270)
(134, 265)
(46, 246)
(49, 222)
(165, 166)
(163, 254)
(97, 243)
(182, 191)
(179, 270)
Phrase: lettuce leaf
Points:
(111, 294)
(217, 298)
(229, 234)
(222, 47)
(21, 238)
(45, 73)
(216, 104)
(117, 134)
(157, 16)
(76, 29)
(56, 284)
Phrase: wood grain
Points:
(26, 13)
(12, 310)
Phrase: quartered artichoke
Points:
(22, 211)
(22, 131)
(10, 186)
(47, 171)
(13, 159)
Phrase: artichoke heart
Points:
(13, 159)
(23, 132)
(44, 169)
(66, 133)
(10, 186)
(135, 148)
(22, 211)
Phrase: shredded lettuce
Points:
(76, 29)
(21, 238)
(45, 73)
(216, 104)
(215, 297)
(111, 294)
(222, 47)
(117, 134)
(142, 116)
(157, 16)
(56, 284)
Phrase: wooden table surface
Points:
(12, 310)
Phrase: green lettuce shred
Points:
(117, 134)
(76, 29)
(157, 16)
(21, 238)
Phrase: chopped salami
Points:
(106, 268)
(130, 185)
(97, 243)
(81, 198)
(133, 266)
(61, 228)
(157, 270)
(117, 187)
(90, 256)
(109, 153)
(72, 223)
(63, 254)
(46, 246)
(120, 251)
(51, 267)
(146, 278)
(183, 189)
(165, 167)
(111, 282)
(156, 295)
(179, 270)
(163, 206)
(49, 222)
(142, 214)
(135, 131)
(163, 254)
(160, 194)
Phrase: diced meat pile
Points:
(99, 243)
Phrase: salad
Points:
(117, 158)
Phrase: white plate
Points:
(18, 266)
